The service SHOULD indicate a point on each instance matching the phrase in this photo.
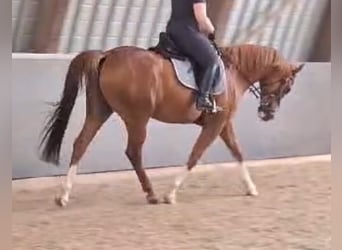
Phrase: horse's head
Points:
(273, 87)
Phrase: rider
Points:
(191, 30)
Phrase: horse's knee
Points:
(133, 154)
(129, 153)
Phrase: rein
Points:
(255, 91)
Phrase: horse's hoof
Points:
(61, 202)
(252, 192)
(251, 189)
(168, 199)
(152, 200)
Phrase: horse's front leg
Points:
(207, 136)
(229, 138)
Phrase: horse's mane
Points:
(254, 61)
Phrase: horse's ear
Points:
(297, 69)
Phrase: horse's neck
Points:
(242, 58)
(253, 75)
(245, 88)
(241, 85)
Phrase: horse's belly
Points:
(175, 113)
(167, 118)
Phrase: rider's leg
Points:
(196, 46)
(207, 80)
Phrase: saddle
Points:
(186, 69)
(167, 48)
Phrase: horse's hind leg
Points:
(228, 136)
(97, 114)
(209, 133)
(91, 126)
(136, 137)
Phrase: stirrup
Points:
(202, 105)
(212, 110)
(215, 108)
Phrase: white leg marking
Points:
(251, 188)
(171, 197)
(67, 185)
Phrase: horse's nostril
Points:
(265, 104)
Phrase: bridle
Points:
(257, 91)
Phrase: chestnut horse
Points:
(140, 84)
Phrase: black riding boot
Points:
(203, 99)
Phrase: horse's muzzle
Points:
(265, 114)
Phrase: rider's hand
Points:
(211, 36)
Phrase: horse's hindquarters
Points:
(126, 81)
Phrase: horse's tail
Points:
(83, 69)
